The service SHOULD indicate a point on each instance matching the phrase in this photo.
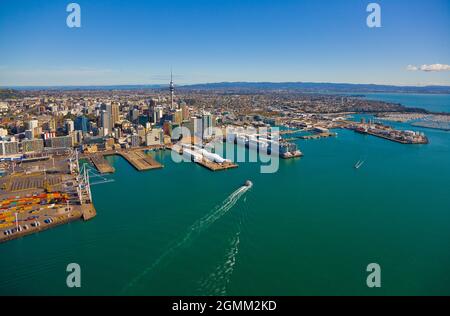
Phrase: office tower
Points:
(109, 115)
(114, 113)
(178, 117)
(81, 124)
(104, 120)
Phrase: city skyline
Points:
(224, 41)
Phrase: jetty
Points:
(101, 164)
(134, 156)
(140, 160)
(214, 166)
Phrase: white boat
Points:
(359, 164)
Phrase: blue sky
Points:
(136, 42)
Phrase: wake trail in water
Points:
(217, 282)
(194, 230)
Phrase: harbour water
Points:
(309, 229)
(430, 102)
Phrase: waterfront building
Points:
(141, 131)
(201, 126)
(59, 142)
(135, 140)
(77, 137)
(154, 137)
(207, 121)
(8, 148)
(167, 128)
(32, 145)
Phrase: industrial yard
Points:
(38, 195)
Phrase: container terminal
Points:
(35, 196)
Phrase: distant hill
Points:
(8, 94)
(311, 87)
(81, 88)
(317, 87)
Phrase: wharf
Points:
(101, 164)
(141, 161)
(135, 156)
(395, 139)
(318, 135)
(85, 212)
(313, 136)
(213, 166)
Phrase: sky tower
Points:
(172, 90)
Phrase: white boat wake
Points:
(196, 229)
(217, 282)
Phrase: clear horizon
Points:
(224, 41)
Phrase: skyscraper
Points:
(81, 124)
(172, 90)
(114, 113)
(109, 116)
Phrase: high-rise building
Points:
(114, 113)
(105, 121)
(185, 111)
(109, 115)
(157, 114)
(178, 117)
(135, 140)
(134, 115)
(207, 121)
(81, 124)
(202, 126)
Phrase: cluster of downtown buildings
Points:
(35, 125)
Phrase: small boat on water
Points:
(248, 184)
(359, 164)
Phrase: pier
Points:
(397, 140)
(140, 161)
(135, 157)
(213, 166)
(312, 136)
(101, 164)
(85, 212)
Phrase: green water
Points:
(309, 229)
